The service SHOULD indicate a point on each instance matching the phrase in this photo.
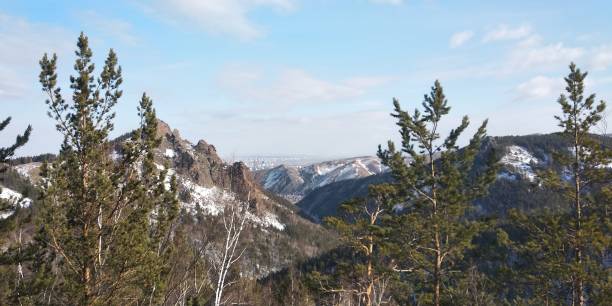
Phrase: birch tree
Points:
(227, 253)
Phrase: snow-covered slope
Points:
(15, 198)
(207, 185)
(294, 182)
(518, 162)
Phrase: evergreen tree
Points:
(10, 269)
(361, 228)
(6, 153)
(567, 247)
(105, 224)
(436, 183)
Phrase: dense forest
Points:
(108, 225)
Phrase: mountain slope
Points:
(294, 182)
(277, 233)
(521, 157)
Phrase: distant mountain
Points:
(263, 162)
(294, 182)
(521, 157)
(206, 184)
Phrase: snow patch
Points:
(212, 200)
(11, 195)
(519, 159)
(169, 153)
(209, 199)
(25, 169)
(115, 155)
(272, 178)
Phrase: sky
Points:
(308, 77)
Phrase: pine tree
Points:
(10, 266)
(436, 183)
(568, 246)
(6, 153)
(362, 229)
(105, 225)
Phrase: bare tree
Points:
(227, 253)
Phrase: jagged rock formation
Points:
(278, 235)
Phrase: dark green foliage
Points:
(5, 154)
(436, 188)
(104, 233)
(568, 246)
(360, 227)
(8, 152)
(10, 231)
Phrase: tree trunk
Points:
(437, 271)
(578, 282)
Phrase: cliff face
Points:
(276, 236)
(202, 165)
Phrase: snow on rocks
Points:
(212, 200)
(521, 161)
(333, 171)
(25, 170)
(209, 199)
(169, 153)
(11, 195)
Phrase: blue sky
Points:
(312, 77)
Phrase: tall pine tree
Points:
(568, 246)
(104, 233)
(436, 182)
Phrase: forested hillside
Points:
(151, 218)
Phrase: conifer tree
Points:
(105, 224)
(568, 246)
(436, 182)
(10, 269)
(362, 229)
(7, 152)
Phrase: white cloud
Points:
(221, 17)
(314, 134)
(293, 86)
(391, 2)
(602, 58)
(539, 87)
(523, 57)
(505, 32)
(460, 38)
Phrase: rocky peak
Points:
(163, 128)
(207, 149)
(202, 165)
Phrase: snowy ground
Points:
(521, 161)
(11, 195)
